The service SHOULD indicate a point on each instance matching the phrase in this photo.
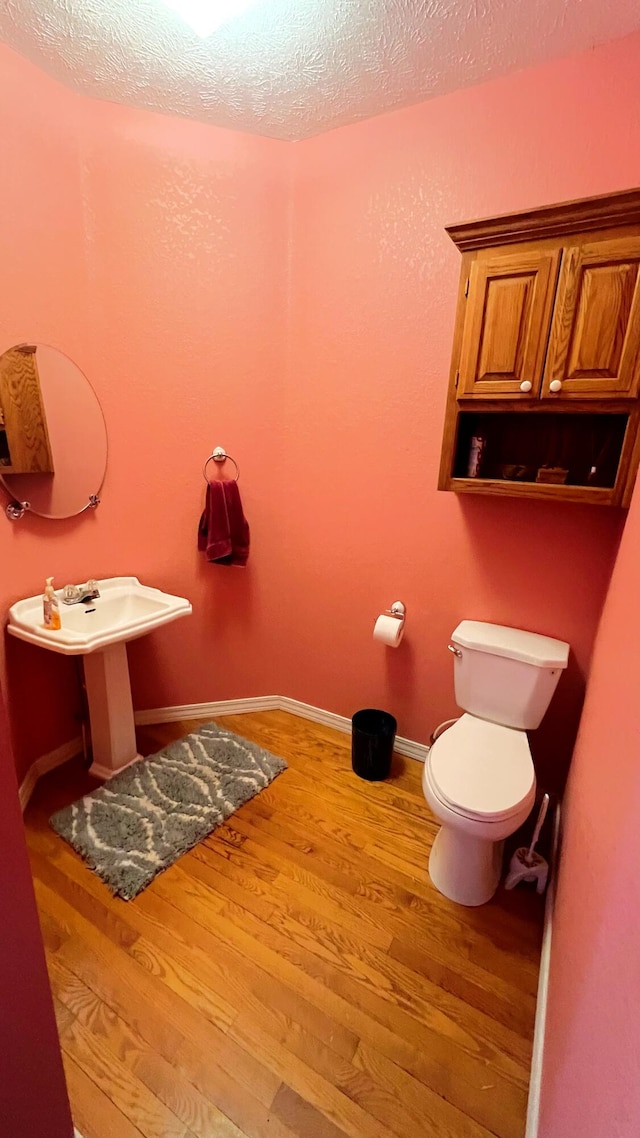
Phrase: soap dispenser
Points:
(51, 607)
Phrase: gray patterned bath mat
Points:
(142, 820)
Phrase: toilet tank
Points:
(506, 675)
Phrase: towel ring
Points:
(219, 454)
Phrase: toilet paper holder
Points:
(389, 626)
(398, 610)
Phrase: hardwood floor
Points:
(294, 976)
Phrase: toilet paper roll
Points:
(388, 630)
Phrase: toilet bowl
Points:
(480, 784)
(478, 778)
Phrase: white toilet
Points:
(478, 777)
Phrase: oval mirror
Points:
(53, 437)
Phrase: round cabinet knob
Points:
(555, 385)
(526, 385)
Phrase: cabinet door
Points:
(594, 347)
(506, 325)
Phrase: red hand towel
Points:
(223, 533)
(214, 536)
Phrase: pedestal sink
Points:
(98, 631)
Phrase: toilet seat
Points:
(482, 770)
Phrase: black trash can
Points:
(372, 737)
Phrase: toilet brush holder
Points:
(527, 868)
(526, 864)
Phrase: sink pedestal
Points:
(113, 733)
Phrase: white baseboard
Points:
(45, 764)
(268, 703)
(28, 785)
(205, 711)
(202, 710)
(537, 1059)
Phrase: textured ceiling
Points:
(292, 68)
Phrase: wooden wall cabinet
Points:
(24, 438)
(546, 355)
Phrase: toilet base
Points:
(464, 868)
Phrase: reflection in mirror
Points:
(52, 430)
(24, 439)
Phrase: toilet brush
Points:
(526, 864)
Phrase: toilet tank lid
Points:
(514, 643)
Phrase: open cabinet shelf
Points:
(525, 452)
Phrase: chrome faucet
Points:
(79, 594)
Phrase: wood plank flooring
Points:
(294, 976)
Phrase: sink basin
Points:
(124, 610)
(98, 631)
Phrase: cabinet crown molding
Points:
(602, 212)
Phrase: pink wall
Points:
(295, 303)
(374, 288)
(33, 1097)
(590, 1084)
(44, 296)
(150, 250)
